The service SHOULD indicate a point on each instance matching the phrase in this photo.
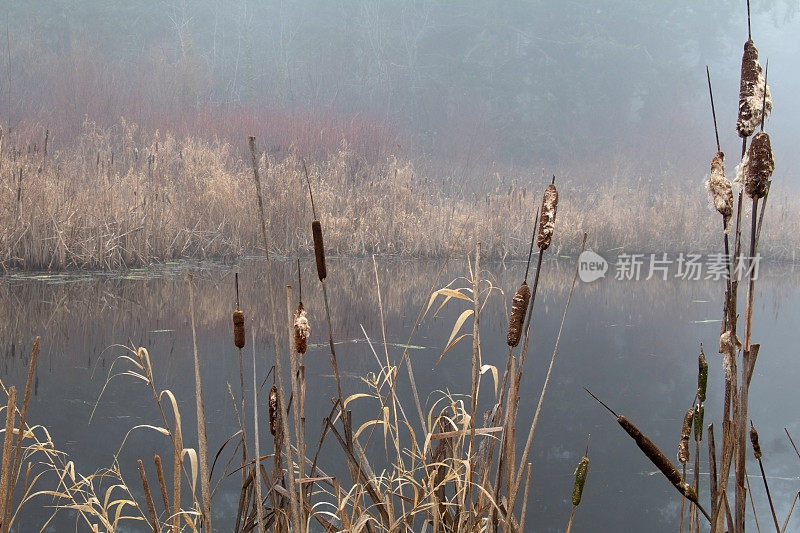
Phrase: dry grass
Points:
(121, 197)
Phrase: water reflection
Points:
(633, 343)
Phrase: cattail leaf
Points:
(357, 396)
(495, 375)
(457, 326)
(192, 453)
(448, 294)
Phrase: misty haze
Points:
(355, 265)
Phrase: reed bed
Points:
(121, 197)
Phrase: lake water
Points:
(633, 343)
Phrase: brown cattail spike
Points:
(754, 95)
(757, 166)
(274, 412)
(702, 376)
(720, 188)
(319, 249)
(519, 307)
(686, 432)
(547, 218)
(580, 480)
(754, 441)
(301, 329)
(238, 328)
(658, 458)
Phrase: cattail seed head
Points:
(720, 188)
(686, 431)
(658, 458)
(547, 218)
(758, 165)
(754, 441)
(702, 376)
(319, 249)
(580, 480)
(274, 412)
(519, 307)
(238, 328)
(301, 330)
(752, 87)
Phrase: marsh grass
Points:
(122, 197)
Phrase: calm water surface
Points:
(635, 344)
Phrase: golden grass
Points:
(121, 197)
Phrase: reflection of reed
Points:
(104, 310)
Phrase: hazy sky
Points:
(583, 86)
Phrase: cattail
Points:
(702, 376)
(273, 410)
(519, 307)
(720, 188)
(319, 249)
(301, 329)
(238, 328)
(686, 432)
(547, 219)
(658, 458)
(580, 480)
(754, 441)
(699, 412)
(752, 87)
(757, 166)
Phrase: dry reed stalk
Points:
(9, 501)
(524, 511)
(296, 522)
(512, 498)
(293, 373)
(202, 444)
(162, 484)
(753, 90)
(151, 507)
(712, 471)
(476, 362)
(757, 454)
(5, 471)
(239, 339)
(656, 456)
(256, 479)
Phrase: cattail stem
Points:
(257, 477)
(518, 480)
(757, 454)
(713, 110)
(202, 439)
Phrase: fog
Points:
(586, 88)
